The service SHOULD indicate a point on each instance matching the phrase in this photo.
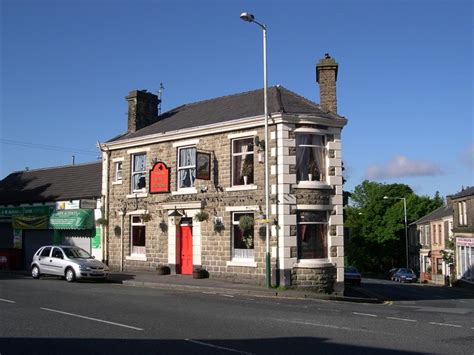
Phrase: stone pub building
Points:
(185, 189)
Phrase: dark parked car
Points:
(352, 275)
(391, 272)
(404, 275)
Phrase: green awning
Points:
(30, 222)
(72, 219)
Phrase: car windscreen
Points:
(76, 253)
(351, 270)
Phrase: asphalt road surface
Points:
(51, 316)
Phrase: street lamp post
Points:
(245, 16)
(406, 225)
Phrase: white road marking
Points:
(89, 318)
(7, 301)
(218, 347)
(447, 324)
(365, 314)
(333, 326)
(227, 295)
(402, 319)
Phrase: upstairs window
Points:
(312, 234)
(186, 167)
(139, 172)
(462, 213)
(310, 157)
(242, 162)
(118, 171)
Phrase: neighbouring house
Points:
(49, 206)
(463, 229)
(434, 231)
(185, 189)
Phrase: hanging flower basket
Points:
(246, 223)
(145, 217)
(101, 221)
(201, 216)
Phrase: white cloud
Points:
(467, 157)
(401, 166)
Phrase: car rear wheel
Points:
(35, 272)
(70, 275)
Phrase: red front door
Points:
(186, 242)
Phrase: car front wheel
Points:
(35, 272)
(70, 275)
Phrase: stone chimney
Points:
(142, 109)
(326, 76)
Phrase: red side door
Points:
(186, 242)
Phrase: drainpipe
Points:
(105, 200)
(121, 240)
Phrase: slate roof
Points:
(464, 193)
(52, 184)
(443, 211)
(228, 108)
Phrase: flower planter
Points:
(200, 274)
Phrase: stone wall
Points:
(315, 279)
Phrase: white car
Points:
(70, 262)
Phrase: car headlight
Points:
(84, 268)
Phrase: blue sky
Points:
(405, 78)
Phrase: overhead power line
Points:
(47, 147)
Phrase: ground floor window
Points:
(243, 236)
(137, 238)
(439, 266)
(312, 234)
(465, 256)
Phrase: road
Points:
(51, 316)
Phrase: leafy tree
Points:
(376, 227)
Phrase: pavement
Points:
(213, 286)
(221, 286)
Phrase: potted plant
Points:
(247, 170)
(163, 270)
(200, 273)
(201, 216)
(312, 169)
(102, 221)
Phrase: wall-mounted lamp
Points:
(176, 217)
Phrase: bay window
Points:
(310, 157)
(312, 234)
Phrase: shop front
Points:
(25, 229)
(465, 258)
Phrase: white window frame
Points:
(242, 255)
(133, 172)
(240, 154)
(137, 223)
(118, 171)
(462, 213)
(324, 172)
(313, 223)
(179, 168)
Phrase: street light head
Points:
(248, 17)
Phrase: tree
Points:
(377, 227)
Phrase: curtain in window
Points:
(139, 167)
(302, 155)
(187, 158)
(318, 155)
